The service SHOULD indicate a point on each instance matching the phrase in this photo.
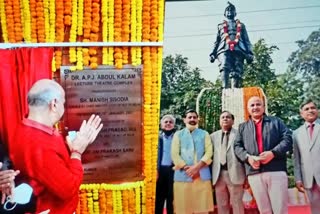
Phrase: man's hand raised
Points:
(86, 135)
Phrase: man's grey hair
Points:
(307, 101)
(43, 96)
(170, 116)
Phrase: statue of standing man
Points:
(231, 48)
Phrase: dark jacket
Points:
(276, 137)
(160, 150)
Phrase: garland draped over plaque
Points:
(35, 21)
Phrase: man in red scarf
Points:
(48, 162)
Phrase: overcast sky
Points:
(190, 28)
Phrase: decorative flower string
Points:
(10, 21)
(3, 19)
(18, 28)
(109, 198)
(41, 34)
(232, 43)
(59, 31)
(86, 30)
(33, 13)
(139, 30)
(52, 21)
(80, 33)
(155, 92)
(103, 200)
(133, 21)
(46, 20)
(94, 36)
(125, 34)
(73, 30)
(125, 201)
(96, 208)
(68, 11)
(90, 200)
(144, 203)
(110, 31)
(83, 201)
(104, 20)
(132, 201)
(160, 21)
(80, 17)
(117, 32)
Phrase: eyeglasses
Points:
(192, 117)
(168, 121)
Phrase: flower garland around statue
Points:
(232, 43)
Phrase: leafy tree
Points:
(180, 86)
(305, 63)
(306, 60)
(284, 97)
(259, 72)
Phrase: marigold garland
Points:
(10, 21)
(3, 19)
(104, 20)
(117, 32)
(46, 20)
(110, 31)
(52, 21)
(17, 21)
(139, 30)
(40, 21)
(125, 35)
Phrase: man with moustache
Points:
(191, 154)
(164, 189)
(228, 173)
(262, 143)
(306, 147)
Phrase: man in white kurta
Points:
(191, 154)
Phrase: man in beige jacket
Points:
(228, 173)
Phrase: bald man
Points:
(48, 162)
(262, 143)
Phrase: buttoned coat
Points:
(307, 155)
(235, 167)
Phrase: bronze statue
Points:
(231, 48)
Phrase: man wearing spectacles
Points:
(228, 173)
(191, 155)
(262, 143)
(306, 146)
(164, 190)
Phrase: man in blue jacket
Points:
(262, 143)
(164, 189)
(191, 153)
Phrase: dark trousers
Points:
(164, 190)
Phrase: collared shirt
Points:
(258, 127)
(43, 158)
(42, 127)
(166, 152)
